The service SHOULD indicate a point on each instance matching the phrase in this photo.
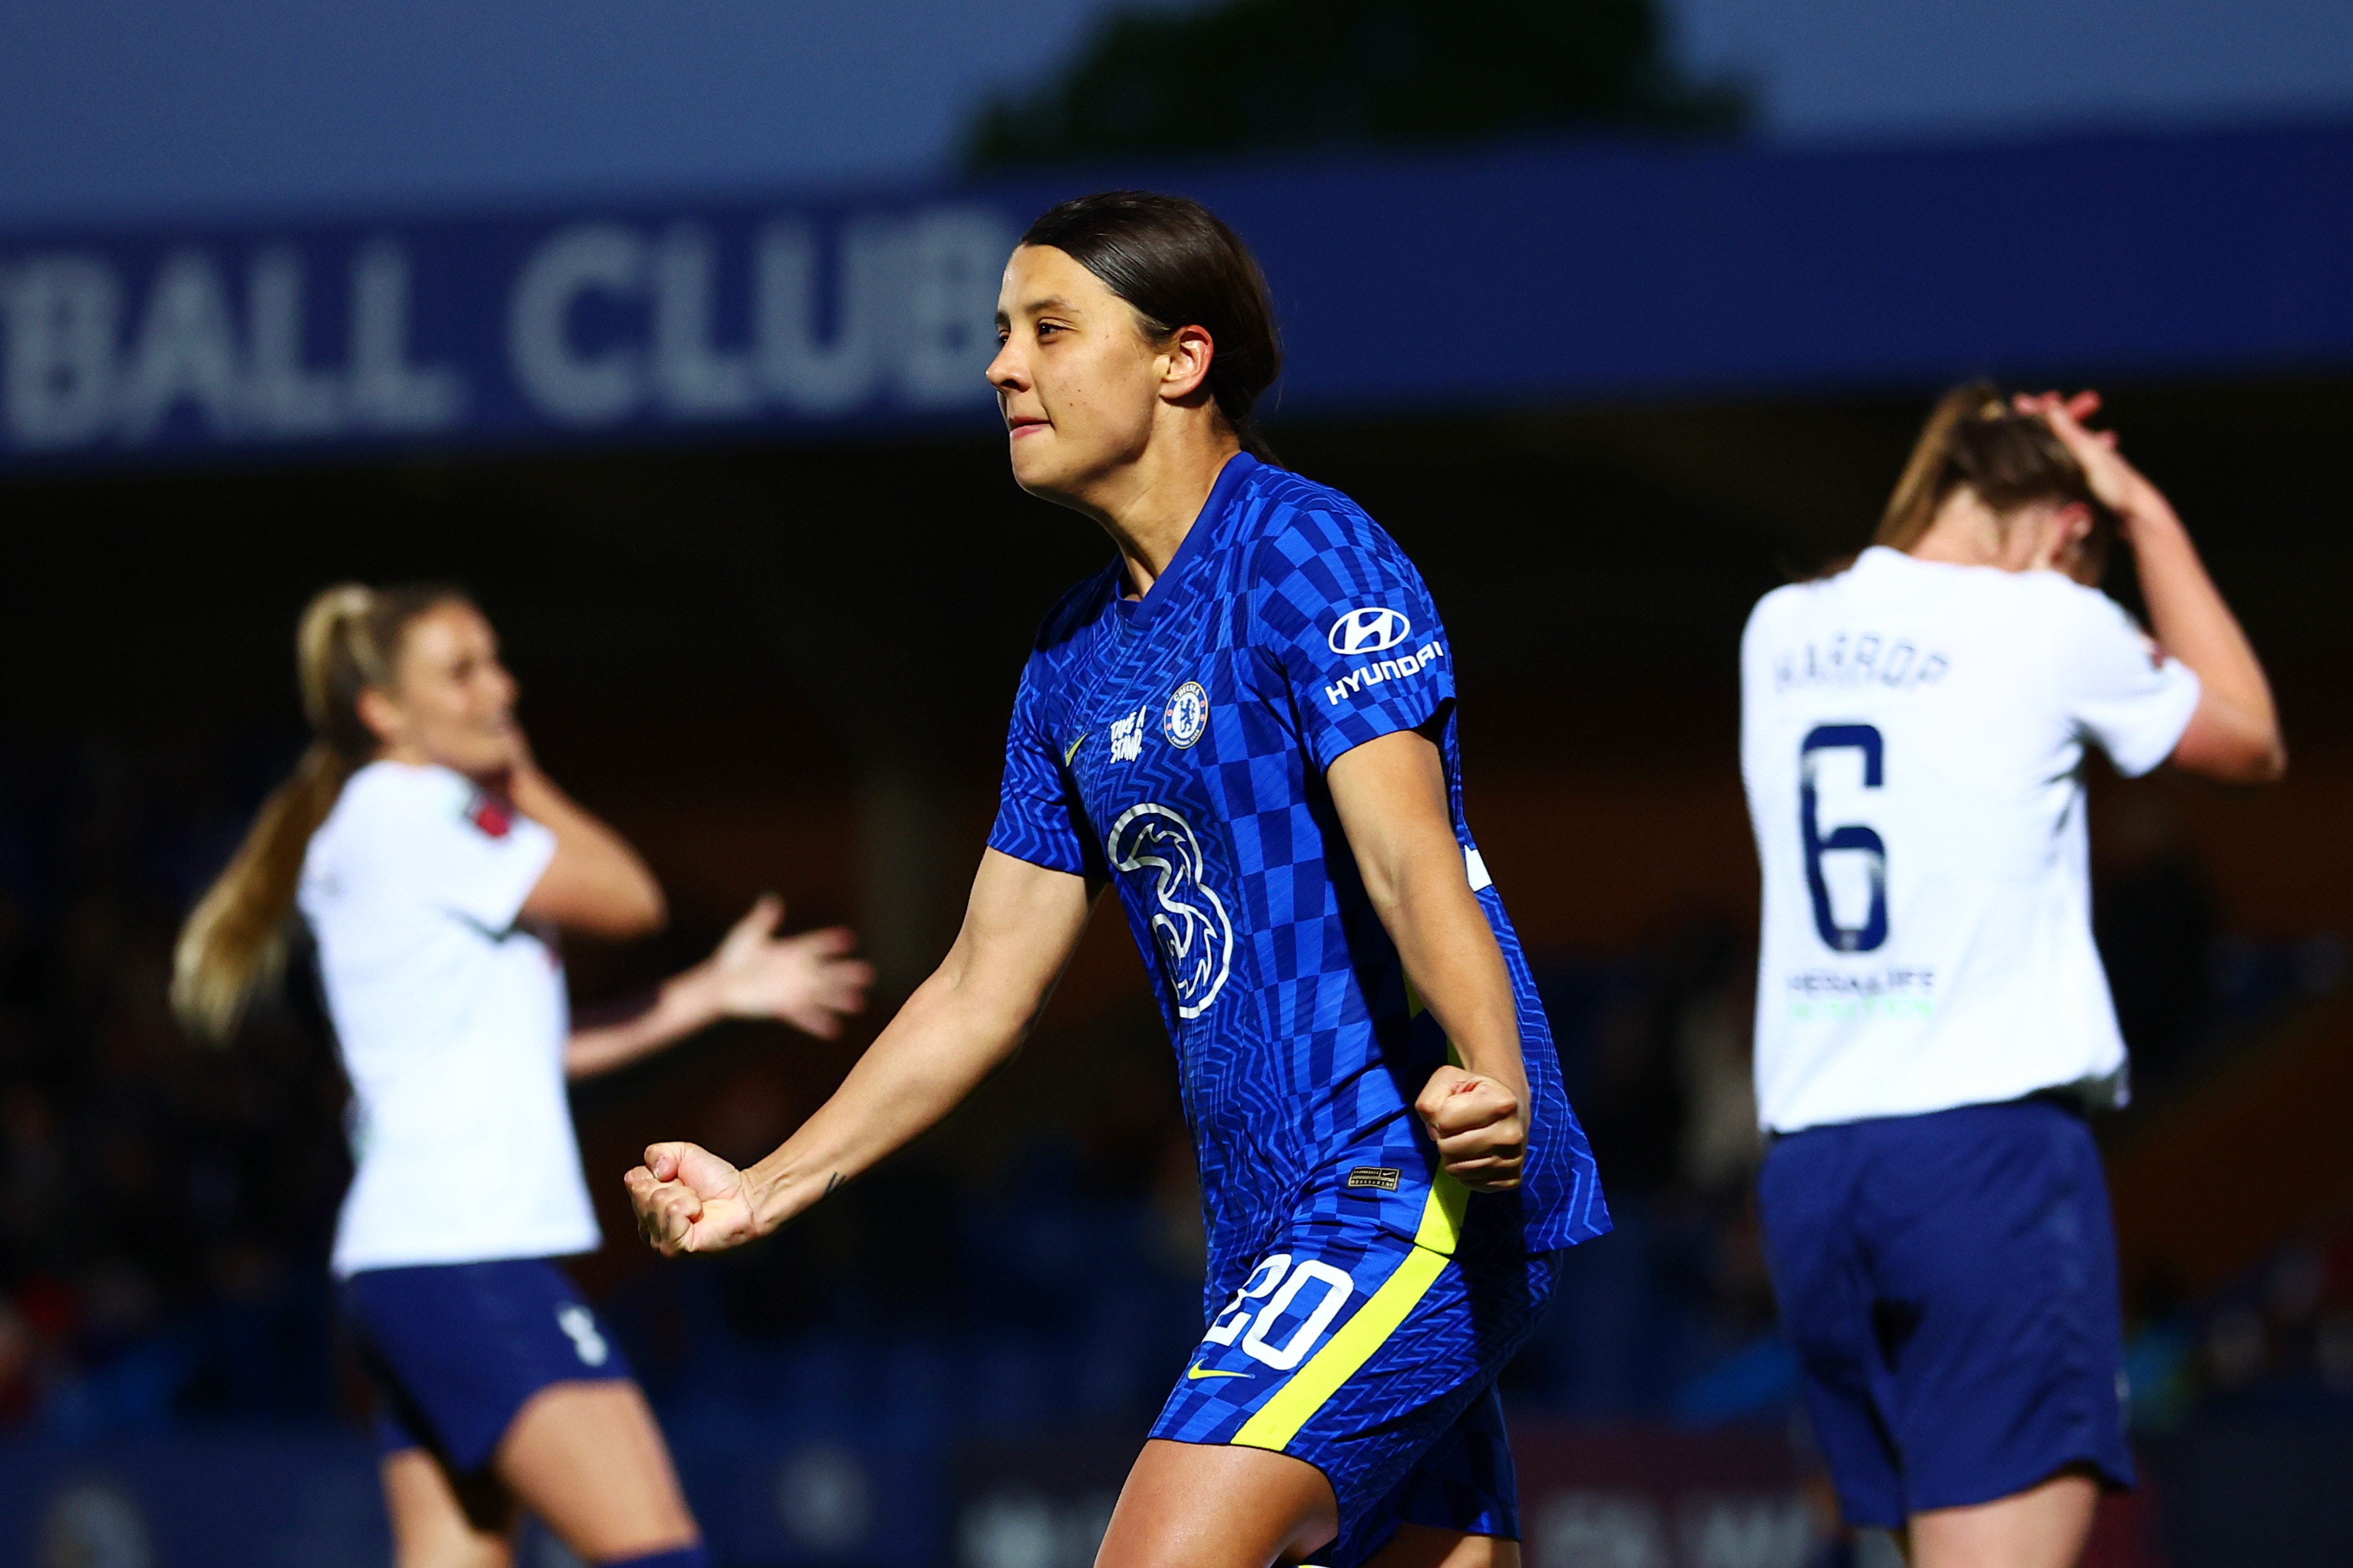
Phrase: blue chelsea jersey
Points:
(1177, 745)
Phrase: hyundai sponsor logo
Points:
(1373, 629)
(1405, 667)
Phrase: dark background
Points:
(784, 662)
(747, 658)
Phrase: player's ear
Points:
(2078, 557)
(379, 712)
(1185, 361)
(2067, 530)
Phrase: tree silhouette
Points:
(1260, 75)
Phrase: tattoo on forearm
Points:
(831, 1182)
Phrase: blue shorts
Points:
(1950, 1284)
(455, 1350)
(1374, 1358)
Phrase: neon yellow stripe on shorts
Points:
(1278, 1421)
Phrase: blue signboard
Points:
(1490, 279)
(500, 329)
(766, 1495)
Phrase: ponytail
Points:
(1974, 439)
(233, 947)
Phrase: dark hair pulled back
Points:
(1976, 439)
(1178, 264)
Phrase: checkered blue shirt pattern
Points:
(1177, 745)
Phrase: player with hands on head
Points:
(2233, 734)
(1932, 1022)
(1244, 726)
(434, 862)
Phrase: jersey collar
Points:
(1166, 589)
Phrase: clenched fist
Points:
(690, 1200)
(1478, 1128)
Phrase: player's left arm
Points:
(1392, 800)
(809, 981)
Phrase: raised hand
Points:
(1476, 1123)
(2120, 485)
(809, 981)
(688, 1199)
(2079, 405)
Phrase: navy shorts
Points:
(455, 1350)
(1373, 1357)
(1949, 1283)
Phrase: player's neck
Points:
(1967, 532)
(1150, 505)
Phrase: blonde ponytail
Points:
(233, 947)
(1928, 474)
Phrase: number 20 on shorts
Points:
(1276, 1277)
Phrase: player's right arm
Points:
(967, 1019)
(596, 882)
(2233, 734)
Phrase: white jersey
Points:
(1912, 738)
(452, 1023)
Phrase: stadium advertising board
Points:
(452, 330)
(1631, 1497)
(1495, 277)
(764, 1495)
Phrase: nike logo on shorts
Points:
(1194, 1372)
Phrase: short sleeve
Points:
(2116, 686)
(1356, 631)
(478, 858)
(1038, 815)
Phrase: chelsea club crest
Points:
(1187, 719)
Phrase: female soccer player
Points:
(1245, 723)
(1932, 1020)
(434, 862)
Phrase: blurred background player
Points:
(435, 863)
(1246, 724)
(1931, 1019)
